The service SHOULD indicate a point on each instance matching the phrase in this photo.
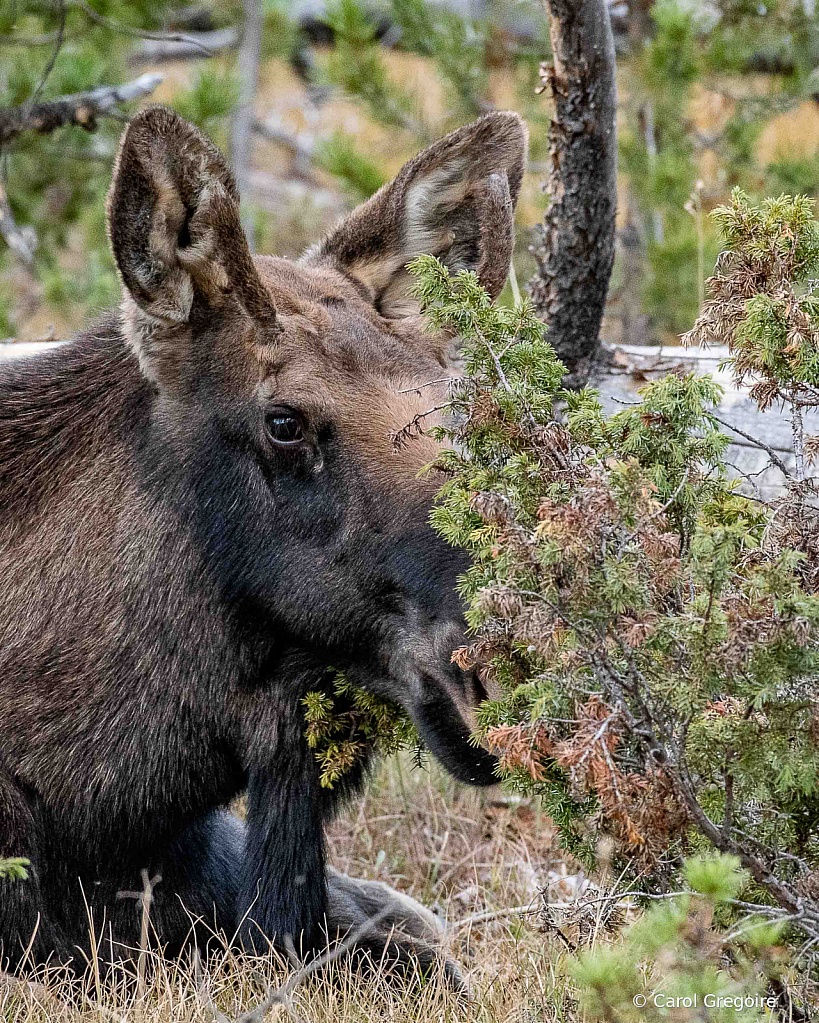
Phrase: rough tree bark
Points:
(574, 247)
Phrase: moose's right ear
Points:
(173, 221)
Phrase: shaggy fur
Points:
(174, 579)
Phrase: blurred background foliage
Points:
(712, 95)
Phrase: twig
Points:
(656, 514)
(282, 995)
(23, 240)
(79, 108)
(413, 427)
(494, 914)
(426, 383)
(145, 898)
(777, 461)
(798, 440)
(497, 362)
(58, 42)
(618, 896)
(138, 33)
(598, 735)
(174, 48)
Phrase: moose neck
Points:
(96, 616)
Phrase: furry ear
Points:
(455, 200)
(173, 221)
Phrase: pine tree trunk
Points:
(574, 247)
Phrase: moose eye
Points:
(284, 427)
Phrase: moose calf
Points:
(201, 510)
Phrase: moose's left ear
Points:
(455, 200)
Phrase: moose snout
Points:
(425, 661)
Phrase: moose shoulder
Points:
(201, 510)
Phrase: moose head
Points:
(280, 387)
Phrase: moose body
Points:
(202, 509)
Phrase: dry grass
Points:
(460, 851)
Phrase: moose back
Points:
(201, 508)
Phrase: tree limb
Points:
(80, 108)
(165, 47)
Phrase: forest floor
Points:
(466, 854)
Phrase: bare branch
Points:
(493, 914)
(798, 440)
(58, 42)
(139, 33)
(80, 108)
(282, 995)
(427, 383)
(777, 461)
(414, 427)
(164, 47)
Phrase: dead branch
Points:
(145, 899)
(139, 33)
(755, 442)
(283, 994)
(164, 47)
(493, 914)
(80, 108)
(414, 427)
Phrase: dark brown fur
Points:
(173, 579)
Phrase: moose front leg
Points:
(283, 888)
